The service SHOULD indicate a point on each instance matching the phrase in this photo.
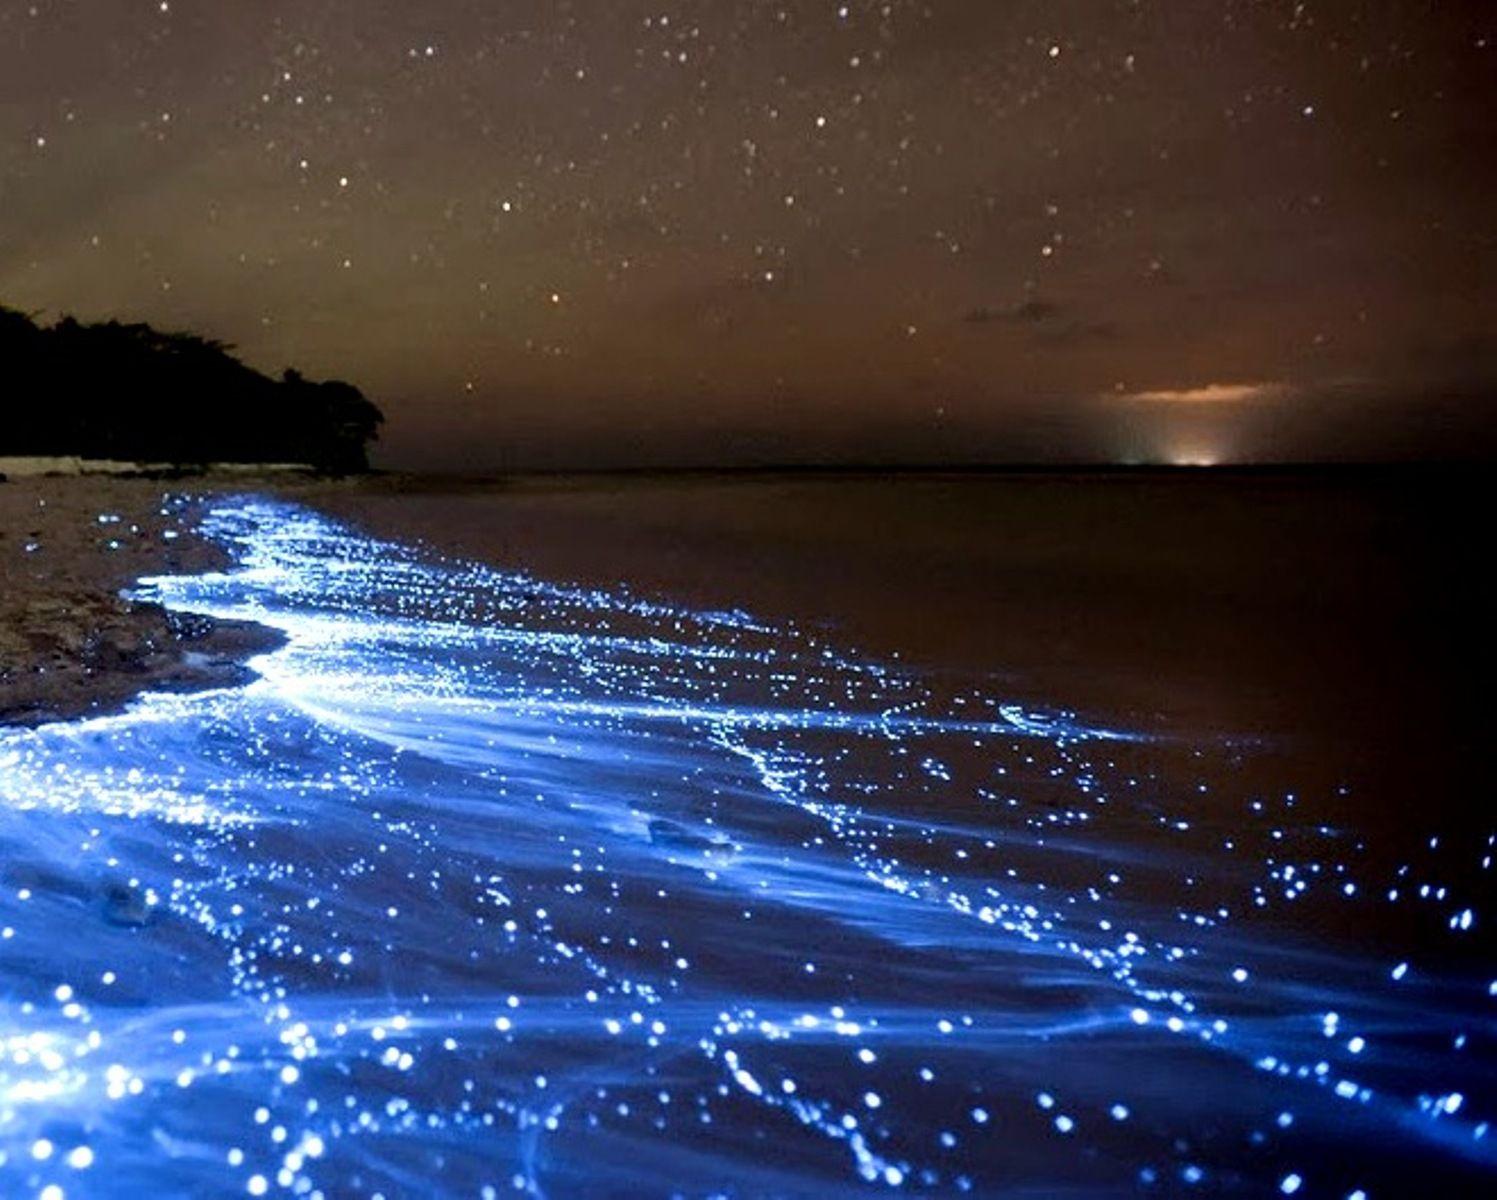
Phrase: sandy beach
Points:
(70, 644)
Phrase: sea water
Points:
(493, 885)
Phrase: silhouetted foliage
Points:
(131, 392)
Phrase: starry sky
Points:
(600, 232)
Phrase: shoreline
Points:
(1218, 581)
(71, 645)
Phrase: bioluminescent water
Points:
(490, 886)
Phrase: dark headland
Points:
(131, 393)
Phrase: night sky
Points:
(550, 233)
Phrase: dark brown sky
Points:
(611, 231)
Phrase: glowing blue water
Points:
(488, 885)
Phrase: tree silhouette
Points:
(131, 392)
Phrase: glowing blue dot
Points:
(1290, 1184)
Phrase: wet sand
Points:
(70, 644)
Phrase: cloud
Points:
(1047, 321)
(1209, 393)
(1030, 312)
(1077, 331)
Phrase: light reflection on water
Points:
(489, 886)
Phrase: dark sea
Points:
(780, 835)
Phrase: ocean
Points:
(776, 835)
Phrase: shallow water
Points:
(493, 883)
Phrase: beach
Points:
(600, 835)
(70, 644)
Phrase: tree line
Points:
(128, 391)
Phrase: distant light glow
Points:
(1193, 452)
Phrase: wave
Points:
(488, 885)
